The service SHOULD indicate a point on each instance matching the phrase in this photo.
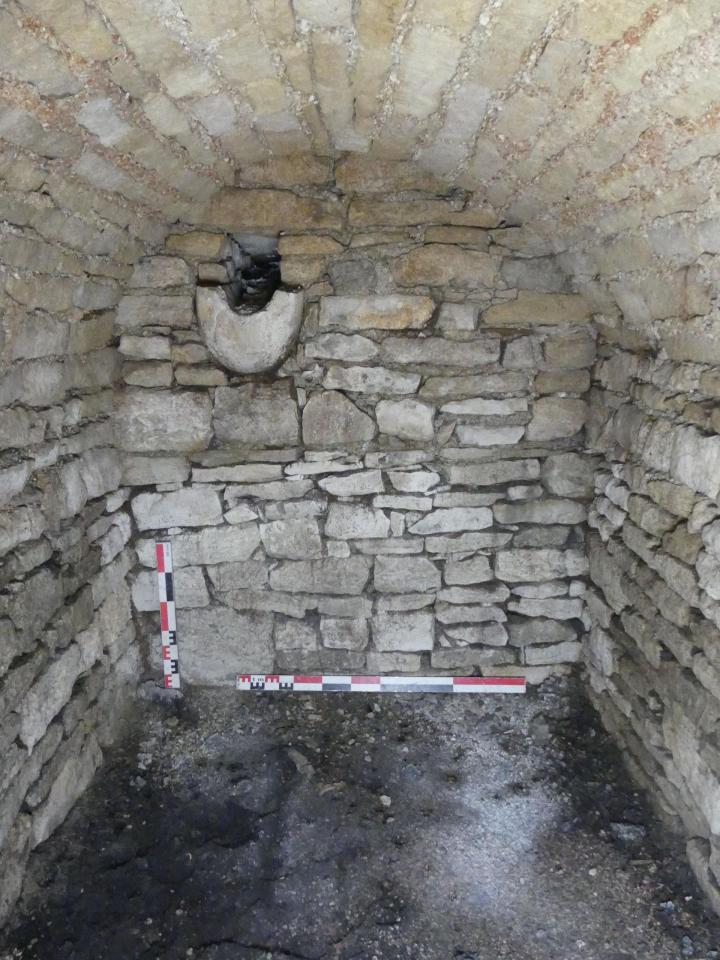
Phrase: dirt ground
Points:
(361, 827)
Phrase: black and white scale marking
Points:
(356, 684)
(168, 625)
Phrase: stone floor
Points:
(352, 827)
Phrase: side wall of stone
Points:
(405, 492)
(67, 651)
(653, 654)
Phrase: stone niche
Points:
(382, 471)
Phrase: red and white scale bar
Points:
(168, 624)
(357, 684)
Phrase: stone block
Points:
(161, 272)
(556, 417)
(295, 635)
(473, 570)
(569, 474)
(347, 521)
(190, 589)
(218, 643)
(270, 211)
(333, 575)
(338, 346)
(483, 634)
(482, 436)
(392, 663)
(147, 374)
(153, 422)
(213, 545)
(569, 352)
(292, 539)
(443, 265)
(239, 575)
(448, 388)
(556, 608)
(406, 419)
(330, 419)
(415, 504)
(493, 472)
(404, 574)
(353, 484)
(414, 481)
(72, 780)
(275, 490)
(567, 652)
(344, 634)
(481, 407)
(141, 471)
(189, 507)
(526, 565)
(468, 613)
(493, 593)
(394, 312)
(438, 352)
(256, 414)
(153, 310)
(541, 511)
(403, 631)
(541, 309)
(453, 520)
(249, 342)
(562, 381)
(463, 659)
(372, 380)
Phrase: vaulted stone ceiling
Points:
(539, 107)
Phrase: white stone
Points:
(403, 631)
(218, 643)
(480, 436)
(404, 574)
(372, 380)
(474, 570)
(416, 481)
(400, 502)
(344, 634)
(334, 576)
(555, 608)
(224, 544)
(488, 634)
(330, 419)
(496, 593)
(393, 312)
(468, 613)
(249, 342)
(190, 589)
(458, 316)
(454, 519)
(151, 421)
(355, 521)
(257, 414)
(354, 484)
(529, 564)
(480, 407)
(295, 635)
(546, 511)
(567, 652)
(406, 419)
(338, 346)
(189, 507)
(292, 539)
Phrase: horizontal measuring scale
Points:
(357, 684)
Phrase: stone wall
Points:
(67, 651)
(653, 656)
(405, 492)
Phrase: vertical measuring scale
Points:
(168, 624)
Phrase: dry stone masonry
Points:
(489, 377)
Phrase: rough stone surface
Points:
(249, 342)
(151, 422)
(330, 419)
(256, 414)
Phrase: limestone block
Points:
(481, 436)
(480, 407)
(333, 575)
(556, 608)
(190, 589)
(197, 376)
(249, 342)
(403, 631)
(243, 473)
(468, 658)
(295, 635)
(554, 653)
(568, 474)
(256, 414)
(353, 484)
(292, 539)
(440, 352)
(528, 564)
(457, 316)
(270, 211)
(541, 511)
(188, 507)
(447, 388)
(563, 381)
(338, 346)
(443, 265)
(239, 575)
(403, 574)
(330, 419)
(153, 310)
(162, 420)
(144, 348)
(140, 471)
(348, 521)
(392, 663)
(406, 419)
(373, 380)
(415, 504)
(493, 593)
(474, 570)
(453, 520)
(486, 634)
(393, 312)
(219, 642)
(71, 782)
(468, 613)
(160, 272)
(198, 245)
(275, 490)
(467, 542)
(414, 481)
(569, 352)
(222, 544)
(344, 634)
(556, 417)
(544, 309)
